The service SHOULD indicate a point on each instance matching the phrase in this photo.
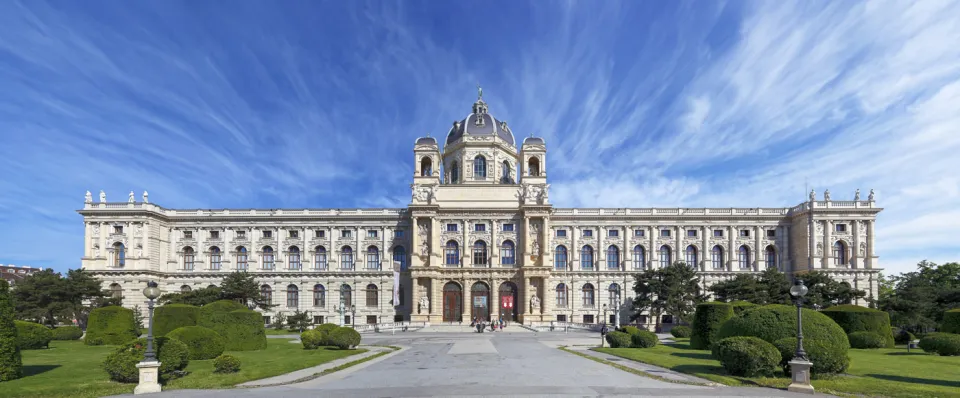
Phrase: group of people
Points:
(481, 325)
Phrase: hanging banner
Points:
(506, 302)
(396, 283)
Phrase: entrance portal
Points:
(480, 300)
(509, 301)
(452, 302)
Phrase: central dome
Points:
(478, 124)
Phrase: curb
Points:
(379, 352)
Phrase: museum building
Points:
(479, 239)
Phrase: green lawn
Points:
(883, 372)
(71, 369)
(274, 332)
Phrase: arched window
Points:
(560, 258)
(533, 167)
(639, 257)
(505, 173)
(771, 256)
(347, 294)
(480, 167)
(373, 258)
(717, 257)
(216, 260)
(293, 259)
(586, 257)
(266, 293)
(426, 167)
(185, 289)
(320, 258)
(346, 258)
(400, 256)
(293, 296)
(119, 255)
(743, 257)
(116, 291)
(319, 296)
(692, 256)
(479, 253)
(613, 257)
(454, 172)
(452, 253)
(588, 298)
(242, 258)
(561, 296)
(372, 295)
(839, 254)
(188, 258)
(507, 254)
(267, 257)
(614, 291)
(665, 258)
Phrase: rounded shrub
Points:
(344, 338)
(325, 330)
(223, 306)
(111, 326)
(854, 318)
(619, 340)
(242, 328)
(168, 317)
(67, 333)
(866, 340)
(203, 343)
(951, 321)
(944, 344)
(631, 330)
(774, 322)
(11, 363)
(681, 331)
(312, 339)
(121, 364)
(741, 306)
(226, 363)
(33, 336)
(903, 336)
(706, 321)
(747, 356)
(827, 362)
(644, 339)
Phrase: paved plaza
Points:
(488, 364)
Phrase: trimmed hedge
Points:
(121, 365)
(774, 322)
(706, 321)
(344, 338)
(951, 321)
(814, 349)
(854, 318)
(168, 317)
(11, 363)
(619, 340)
(644, 339)
(67, 333)
(681, 331)
(325, 330)
(111, 326)
(866, 340)
(944, 344)
(226, 363)
(748, 356)
(242, 329)
(203, 343)
(631, 330)
(32, 336)
(741, 306)
(312, 339)
(222, 306)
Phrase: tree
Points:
(242, 287)
(138, 317)
(775, 287)
(743, 287)
(39, 297)
(83, 294)
(674, 289)
(279, 321)
(299, 321)
(198, 297)
(824, 291)
(918, 299)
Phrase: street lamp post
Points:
(341, 309)
(800, 365)
(616, 310)
(149, 381)
(353, 316)
(602, 335)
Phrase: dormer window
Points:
(480, 168)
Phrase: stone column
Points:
(827, 245)
(871, 256)
(467, 260)
(436, 307)
(731, 251)
(360, 253)
(434, 257)
(855, 250)
(549, 298)
(415, 312)
(600, 254)
(680, 251)
(332, 258)
(573, 252)
(652, 252)
(494, 247)
(526, 301)
(386, 256)
(759, 250)
(546, 248)
(625, 253)
(706, 250)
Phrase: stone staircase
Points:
(466, 328)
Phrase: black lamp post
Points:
(798, 290)
(151, 292)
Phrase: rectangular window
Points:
(480, 227)
(588, 232)
(346, 320)
(318, 319)
(345, 233)
(371, 233)
(293, 234)
(118, 229)
(561, 318)
(267, 234)
(613, 233)
(745, 233)
(371, 319)
(638, 232)
(241, 234)
(664, 233)
(398, 233)
(588, 318)
(319, 234)
(841, 227)
(507, 227)
(214, 234)
(692, 233)
(451, 227)
(771, 233)
(718, 233)
(561, 233)
(186, 234)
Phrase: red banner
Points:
(506, 301)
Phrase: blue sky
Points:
(316, 104)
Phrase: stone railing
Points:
(245, 212)
(672, 212)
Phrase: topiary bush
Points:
(32, 336)
(226, 363)
(951, 321)
(312, 339)
(631, 330)
(774, 322)
(325, 330)
(242, 328)
(644, 339)
(741, 306)
(866, 340)
(944, 344)
(619, 340)
(827, 362)
(854, 318)
(681, 331)
(747, 356)
(223, 306)
(706, 321)
(11, 363)
(111, 326)
(168, 317)
(67, 333)
(121, 365)
(344, 338)
(203, 343)
(903, 336)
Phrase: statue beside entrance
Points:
(424, 303)
(534, 304)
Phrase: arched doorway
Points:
(509, 301)
(452, 302)
(480, 301)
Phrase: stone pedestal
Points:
(149, 378)
(800, 376)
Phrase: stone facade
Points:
(479, 236)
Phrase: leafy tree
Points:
(138, 317)
(279, 321)
(198, 297)
(83, 294)
(775, 287)
(824, 291)
(299, 321)
(769, 287)
(674, 289)
(242, 287)
(39, 297)
(918, 299)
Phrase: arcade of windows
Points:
(588, 261)
(268, 258)
(371, 295)
(587, 295)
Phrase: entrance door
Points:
(509, 302)
(452, 299)
(480, 300)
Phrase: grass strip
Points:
(629, 369)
